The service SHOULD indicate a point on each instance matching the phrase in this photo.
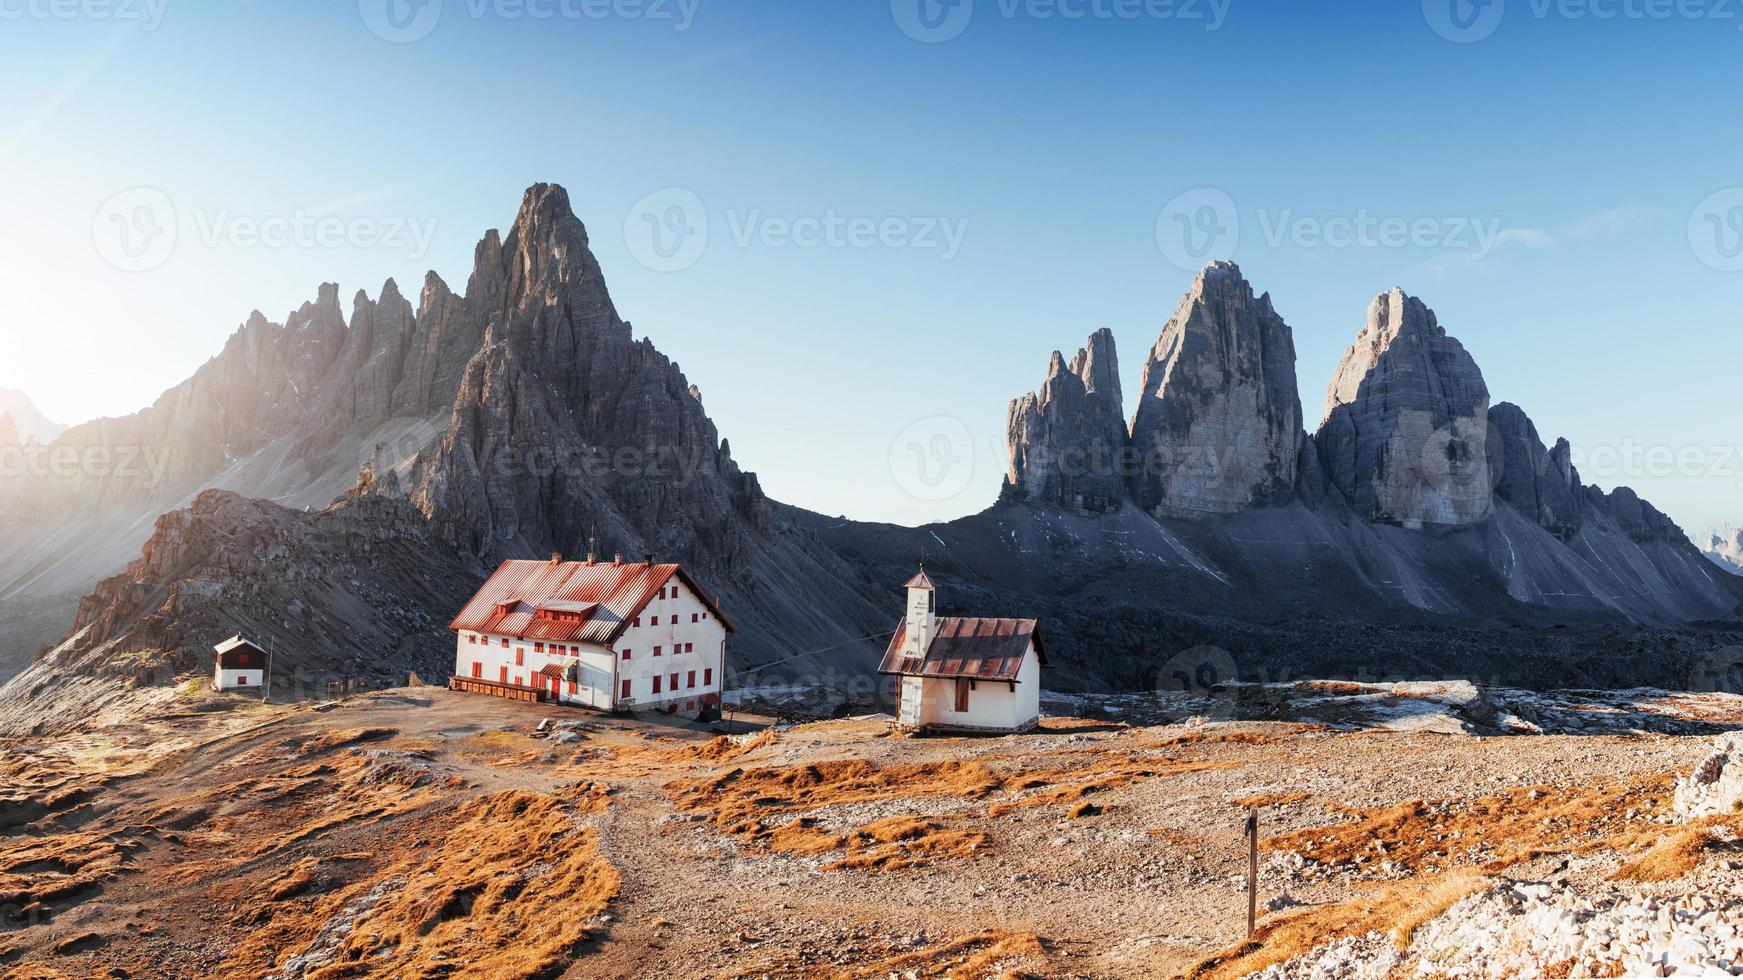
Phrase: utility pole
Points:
(1252, 871)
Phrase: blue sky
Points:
(1567, 177)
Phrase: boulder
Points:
(1716, 785)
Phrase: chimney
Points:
(592, 551)
(617, 559)
(648, 560)
(556, 558)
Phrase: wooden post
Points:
(1252, 871)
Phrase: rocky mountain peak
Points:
(1068, 438)
(1407, 420)
(1218, 429)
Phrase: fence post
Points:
(1252, 871)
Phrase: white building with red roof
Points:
(613, 636)
(963, 673)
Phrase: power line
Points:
(812, 653)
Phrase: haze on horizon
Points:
(901, 226)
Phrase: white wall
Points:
(992, 705)
(683, 621)
(228, 679)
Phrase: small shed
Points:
(241, 665)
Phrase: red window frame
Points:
(471, 638)
(695, 617)
(504, 678)
(653, 620)
(626, 654)
(674, 680)
(690, 680)
(520, 656)
(625, 693)
(707, 676)
(538, 648)
(656, 651)
(477, 669)
(656, 683)
(505, 643)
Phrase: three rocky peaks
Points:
(1408, 437)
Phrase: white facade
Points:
(229, 680)
(670, 657)
(992, 706)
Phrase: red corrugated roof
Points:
(983, 649)
(569, 601)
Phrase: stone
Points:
(1716, 785)
(1540, 483)
(1406, 428)
(1218, 429)
(1067, 440)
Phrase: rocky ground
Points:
(422, 833)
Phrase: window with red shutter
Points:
(707, 676)
(690, 680)
(656, 683)
(656, 651)
(625, 693)
(674, 680)
(626, 654)
(538, 648)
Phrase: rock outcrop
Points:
(565, 428)
(1725, 547)
(1218, 430)
(31, 424)
(1540, 483)
(1405, 433)
(1716, 785)
(1067, 439)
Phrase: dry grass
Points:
(999, 953)
(1399, 908)
(510, 887)
(1109, 776)
(1493, 832)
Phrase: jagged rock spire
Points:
(1068, 438)
(1407, 421)
(1218, 429)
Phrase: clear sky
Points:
(1023, 173)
